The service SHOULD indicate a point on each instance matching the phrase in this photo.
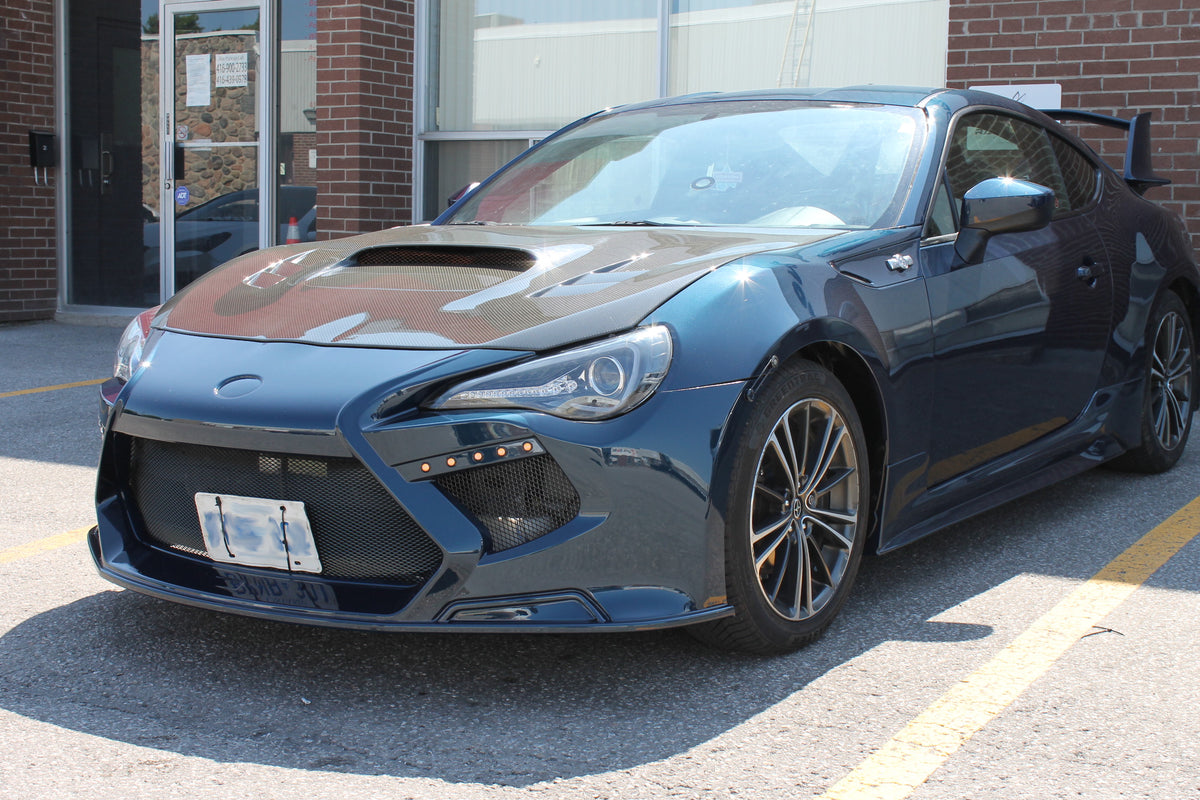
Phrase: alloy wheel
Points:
(1171, 380)
(804, 509)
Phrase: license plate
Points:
(278, 591)
(257, 532)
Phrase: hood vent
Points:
(481, 257)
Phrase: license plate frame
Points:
(257, 532)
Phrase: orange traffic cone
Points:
(293, 232)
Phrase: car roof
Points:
(910, 96)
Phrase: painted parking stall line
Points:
(53, 388)
(908, 759)
(43, 545)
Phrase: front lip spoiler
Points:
(130, 579)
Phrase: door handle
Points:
(1086, 272)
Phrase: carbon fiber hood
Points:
(517, 288)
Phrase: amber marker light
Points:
(425, 468)
(501, 452)
(478, 456)
(527, 446)
(450, 462)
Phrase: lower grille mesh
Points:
(361, 532)
(515, 501)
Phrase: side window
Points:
(941, 217)
(1078, 172)
(997, 146)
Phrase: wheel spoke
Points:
(767, 490)
(818, 556)
(1160, 421)
(839, 475)
(802, 593)
(1175, 419)
(845, 517)
(841, 537)
(781, 568)
(794, 473)
(804, 455)
(771, 548)
(1181, 363)
(764, 532)
(1157, 367)
(829, 446)
(1179, 376)
(788, 471)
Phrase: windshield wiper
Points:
(646, 223)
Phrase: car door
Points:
(1019, 338)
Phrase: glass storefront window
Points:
(536, 65)
(726, 45)
(451, 166)
(296, 143)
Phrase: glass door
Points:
(214, 168)
(111, 200)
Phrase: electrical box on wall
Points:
(43, 150)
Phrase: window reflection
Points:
(536, 65)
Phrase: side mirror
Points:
(1000, 205)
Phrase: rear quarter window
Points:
(1078, 173)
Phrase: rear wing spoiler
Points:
(1138, 172)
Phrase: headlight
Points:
(593, 382)
(133, 341)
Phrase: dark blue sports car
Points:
(679, 364)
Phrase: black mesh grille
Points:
(515, 501)
(361, 532)
(489, 257)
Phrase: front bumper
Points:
(640, 548)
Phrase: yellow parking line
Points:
(42, 545)
(911, 756)
(57, 386)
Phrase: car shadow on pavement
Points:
(498, 709)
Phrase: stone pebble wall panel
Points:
(229, 117)
(1118, 57)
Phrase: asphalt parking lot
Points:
(986, 661)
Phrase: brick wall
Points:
(28, 264)
(364, 115)
(1116, 57)
(302, 173)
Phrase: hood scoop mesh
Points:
(502, 258)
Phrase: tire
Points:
(797, 505)
(1168, 401)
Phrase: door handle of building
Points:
(179, 166)
(106, 163)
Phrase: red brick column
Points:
(364, 115)
(1116, 57)
(28, 262)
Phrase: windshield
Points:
(761, 163)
